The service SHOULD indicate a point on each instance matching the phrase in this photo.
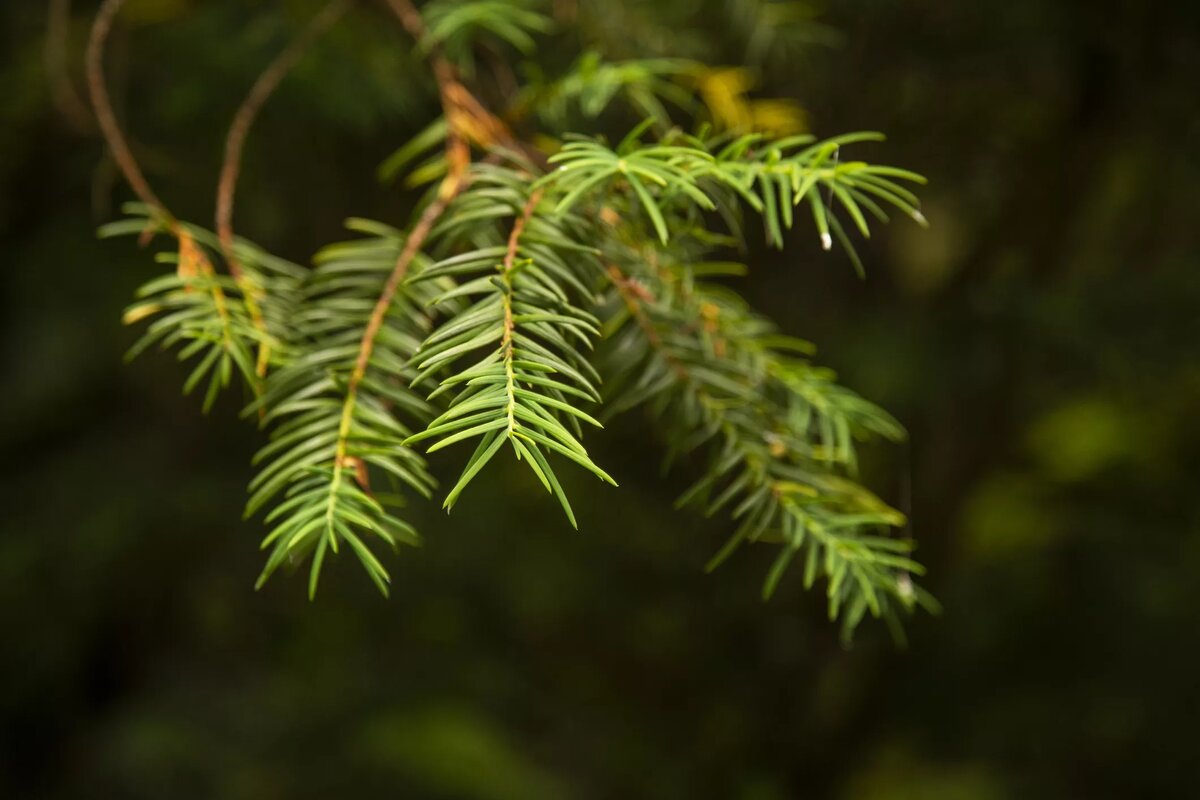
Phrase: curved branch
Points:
(107, 119)
(259, 93)
(456, 179)
(235, 143)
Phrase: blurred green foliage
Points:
(1039, 343)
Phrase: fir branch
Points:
(338, 418)
(771, 177)
(724, 386)
(494, 299)
(450, 187)
(202, 312)
(346, 507)
(325, 507)
(332, 412)
(526, 386)
(194, 269)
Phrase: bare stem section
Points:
(106, 118)
(452, 184)
(231, 166)
(243, 120)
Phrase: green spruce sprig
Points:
(535, 295)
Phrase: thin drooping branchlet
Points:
(322, 460)
(341, 408)
(324, 453)
(196, 308)
(231, 166)
(106, 118)
(776, 436)
(536, 294)
(203, 314)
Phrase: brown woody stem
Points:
(510, 259)
(451, 185)
(107, 119)
(231, 166)
(634, 296)
(259, 93)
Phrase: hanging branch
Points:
(512, 272)
(451, 186)
(107, 119)
(512, 364)
(458, 156)
(221, 332)
(752, 406)
(235, 142)
(260, 92)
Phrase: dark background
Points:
(1039, 342)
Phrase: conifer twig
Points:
(464, 113)
(459, 157)
(514, 357)
(506, 339)
(193, 262)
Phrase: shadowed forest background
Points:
(1039, 342)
